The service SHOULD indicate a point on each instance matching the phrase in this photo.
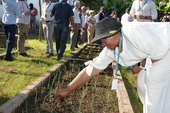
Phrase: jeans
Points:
(33, 26)
(10, 35)
(61, 36)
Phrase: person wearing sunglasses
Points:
(143, 46)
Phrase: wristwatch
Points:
(145, 17)
(140, 65)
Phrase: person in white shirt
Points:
(86, 25)
(77, 22)
(126, 17)
(138, 43)
(83, 8)
(143, 11)
(97, 17)
(48, 26)
(87, 15)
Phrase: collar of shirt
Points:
(46, 8)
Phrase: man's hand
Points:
(141, 17)
(61, 94)
(72, 23)
(42, 19)
(51, 22)
(136, 69)
(27, 13)
(133, 16)
(51, 15)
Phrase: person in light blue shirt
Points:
(11, 11)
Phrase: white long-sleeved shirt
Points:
(11, 11)
(83, 20)
(149, 9)
(97, 17)
(76, 16)
(125, 18)
(141, 40)
(46, 10)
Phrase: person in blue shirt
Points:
(63, 14)
(11, 11)
(112, 14)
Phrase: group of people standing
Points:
(63, 19)
(17, 14)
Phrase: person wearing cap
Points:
(140, 47)
(48, 26)
(90, 29)
(86, 25)
(83, 9)
(33, 19)
(143, 11)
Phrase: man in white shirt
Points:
(126, 17)
(83, 9)
(152, 50)
(48, 26)
(77, 22)
(143, 11)
(97, 17)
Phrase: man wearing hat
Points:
(140, 47)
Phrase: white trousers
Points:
(154, 89)
(48, 32)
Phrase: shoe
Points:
(57, 58)
(30, 34)
(50, 54)
(23, 54)
(34, 34)
(46, 52)
(11, 59)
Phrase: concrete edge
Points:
(123, 98)
(19, 98)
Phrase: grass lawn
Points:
(130, 81)
(16, 75)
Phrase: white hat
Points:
(91, 11)
(87, 12)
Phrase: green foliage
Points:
(163, 5)
(119, 5)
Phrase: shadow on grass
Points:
(132, 92)
(25, 74)
(3, 100)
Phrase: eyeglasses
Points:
(102, 41)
